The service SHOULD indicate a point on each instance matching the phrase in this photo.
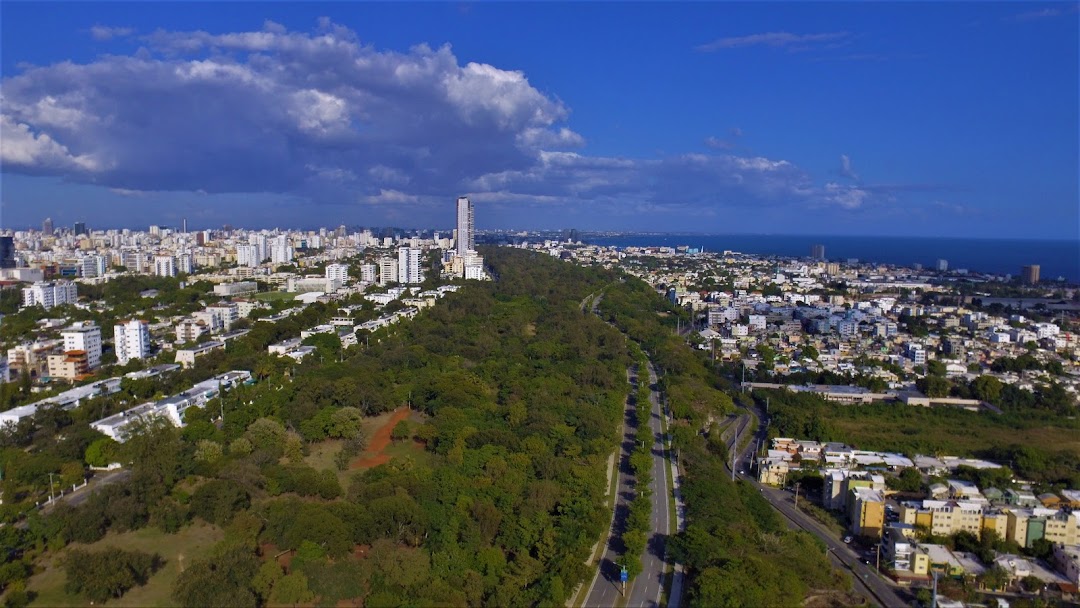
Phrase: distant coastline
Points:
(1056, 258)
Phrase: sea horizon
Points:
(1055, 257)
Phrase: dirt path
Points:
(373, 456)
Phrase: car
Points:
(847, 539)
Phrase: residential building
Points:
(165, 266)
(186, 356)
(131, 340)
(337, 272)
(1030, 274)
(409, 265)
(388, 271)
(50, 294)
(1067, 561)
(84, 336)
(189, 330)
(71, 365)
(369, 273)
(867, 512)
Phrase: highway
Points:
(605, 589)
(867, 581)
(647, 587)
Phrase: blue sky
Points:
(928, 119)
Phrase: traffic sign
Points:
(624, 575)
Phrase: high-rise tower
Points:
(465, 239)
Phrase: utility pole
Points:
(797, 484)
(734, 448)
(50, 487)
(878, 564)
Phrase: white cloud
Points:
(103, 33)
(322, 117)
(21, 148)
(846, 169)
(775, 40)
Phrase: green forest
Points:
(494, 497)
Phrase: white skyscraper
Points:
(84, 336)
(131, 340)
(409, 265)
(262, 249)
(281, 252)
(465, 238)
(165, 266)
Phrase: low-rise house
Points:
(186, 356)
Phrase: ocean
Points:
(998, 256)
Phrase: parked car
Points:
(847, 539)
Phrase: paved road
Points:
(605, 590)
(867, 581)
(648, 585)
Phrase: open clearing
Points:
(380, 450)
(178, 550)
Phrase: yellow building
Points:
(867, 512)
(773, 471)
(996, 522)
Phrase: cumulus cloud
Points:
(270, 110)
(775, 40)
(322, 117)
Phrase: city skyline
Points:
(954, 120)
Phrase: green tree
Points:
(986, 388)
(401, 432)
(223, 578)
(292, 590)
(101, 452)
(103, 575)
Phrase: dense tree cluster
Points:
(103, 575)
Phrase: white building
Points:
(409, 265)
(465, 227)
(281, 252)
(388, 271)
(131, 340)
(165, 266)
(50, 294)
(369, 273)
(337, 272)
(84, 336)
(247, 256)
(235, 289)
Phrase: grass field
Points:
(273, 296)
(178, 550)
(951, 432)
